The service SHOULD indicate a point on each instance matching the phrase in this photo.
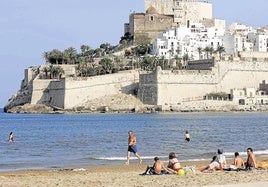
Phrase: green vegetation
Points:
(101, 61)
(109, 59)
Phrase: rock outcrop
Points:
(33, 109)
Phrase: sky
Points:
(28, 28)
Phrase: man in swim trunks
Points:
(251, 161)
(132, 147)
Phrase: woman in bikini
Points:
(173, 165)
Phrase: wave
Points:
(259, 153)
(165, 158)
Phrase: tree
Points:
(46, 70)
(56, 71)
(87, 53)
(207, 49)
(107, 65)
(199, 49)
(70, 55)
(220, 50)
(82, 67)
(211, 51)
(54, 57)
(185, 58)
(127, 39)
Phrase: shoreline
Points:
(123, 175)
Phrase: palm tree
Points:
(207, 50)
(199, 49)
(211, 51)
(107, 65)
(53, 57)
(87, 52)
(220, 50)
(56, 71)
(82, 67)
(46, 70)
(71, 55)
(185, 57)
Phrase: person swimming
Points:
(11, 137)
(187, 136)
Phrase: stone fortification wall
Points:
(80, 90)
(175, 87)
(48, 92)
(148, 88)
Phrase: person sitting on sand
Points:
(238, 164)
(238, 161)
(158, 168)
(208, 168)
(173, 164)
(218, 163)
(251, 161)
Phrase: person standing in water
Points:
(132, 147)
(11, 137)
(187, 136)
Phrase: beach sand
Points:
(128, 176)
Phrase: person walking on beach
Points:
(251, 161)
(11, 137)
(187, 136)
(132, 147)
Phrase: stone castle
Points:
(163, 88)
(163, 14)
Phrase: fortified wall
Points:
(71, 92)
(163, 88)
(173, 88)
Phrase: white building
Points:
(259, 41)
(181, 41)
(242, 38)
(249, 96)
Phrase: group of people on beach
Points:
(218, 161)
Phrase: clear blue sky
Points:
(30, 27)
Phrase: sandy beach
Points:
(122, 175)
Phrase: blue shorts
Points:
(133, 149)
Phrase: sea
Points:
(49, 141)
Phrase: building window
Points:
(152, 18)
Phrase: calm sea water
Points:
(49, 141)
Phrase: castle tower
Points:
(182, 10)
